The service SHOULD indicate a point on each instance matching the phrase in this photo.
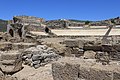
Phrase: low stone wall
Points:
(6, 46)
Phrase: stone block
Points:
(71, 43)
(9, 56)
(89, 54)
(65, 72)
(11, 66)
(11, 62)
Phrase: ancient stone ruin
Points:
(35, 49)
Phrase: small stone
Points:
(36, 62)
(89, 55)
(44, 47)
(29, 56)
(37, 66)
(36, 57)
(28, 61)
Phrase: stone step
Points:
(9, 55)
(7, 62)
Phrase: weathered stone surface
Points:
(60, 49)
(18, 64)
(10, 68)
(12, 55)
(7, 69)
(88, 70)
(5, 46)
(7, 62)
(93, 74)
(89, 54)
(17, 46)
(11, 62)
(71, 43)
(65, 72)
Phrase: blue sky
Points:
(61, 9)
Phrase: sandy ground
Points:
(29, 73)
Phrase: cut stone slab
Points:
(89, 54)
(11, 55)
(8, 68)
(11, 62)
(7, 62)
(65, 72)
(17, 46)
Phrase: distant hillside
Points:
(61, 23)
(3, 25)
(78, 20)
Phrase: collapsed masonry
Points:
(22, 24)
(21, 27)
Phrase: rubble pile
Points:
(39, 55)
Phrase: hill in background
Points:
(62, 23)
(3, 25)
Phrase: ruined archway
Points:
(20, 32)
(46, 29)
(11, 32)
